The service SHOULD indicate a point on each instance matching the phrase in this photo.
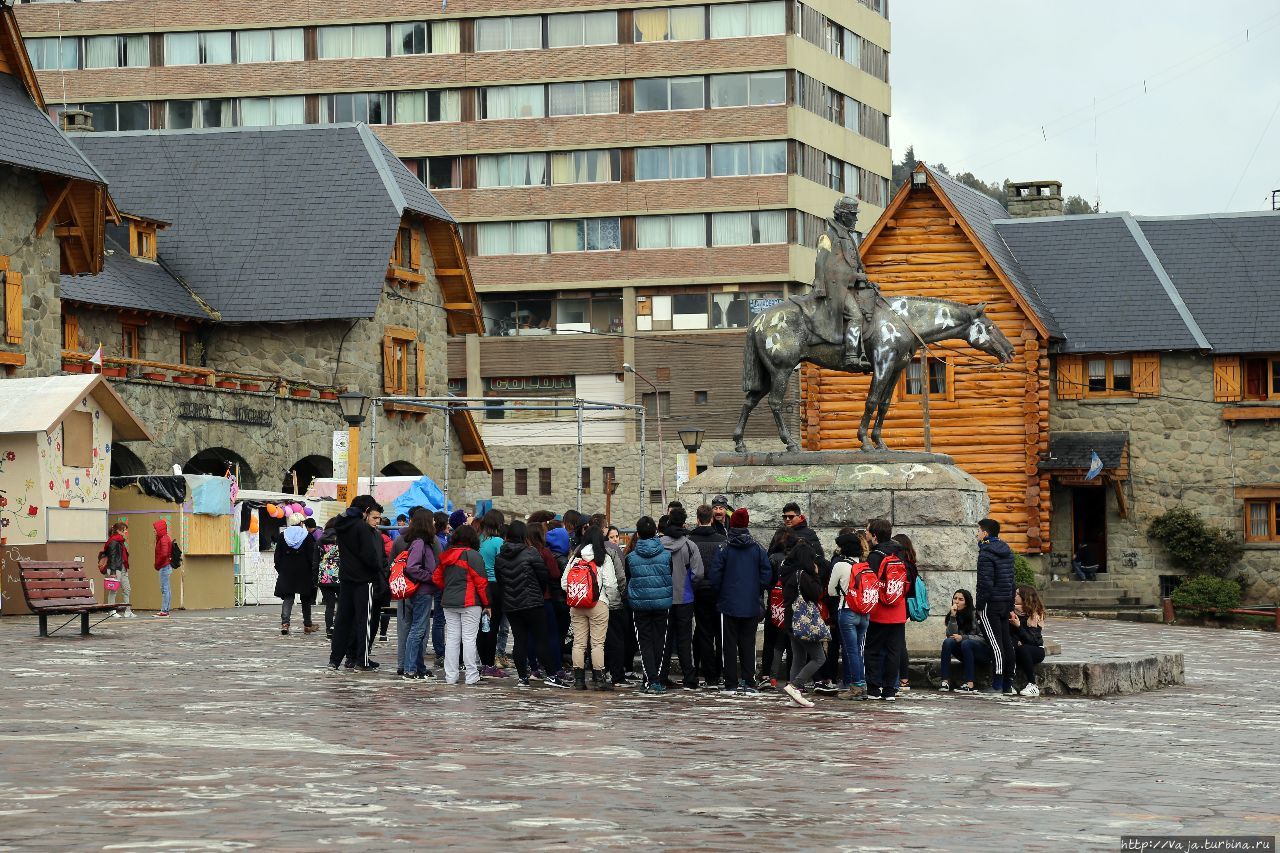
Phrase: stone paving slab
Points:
(212, 732)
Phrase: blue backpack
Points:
(918, 601)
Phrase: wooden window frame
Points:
(136, 350)
(522, 481)
(585, 477)
(397, 344)
(1109, 376)
(1268, 392)
(1273, 505)
(142, 241)
(948, 394)
(402, 270)
(70, 332)
(497, 487)
(545, 484)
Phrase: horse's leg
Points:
(753, 399)
(777, 396)
(892, 372)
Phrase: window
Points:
(1261, 378)
(941, 379)
(497, 102)
(77, 440)
(760, 88)
(745, 229)
(368, 107)
(517, 33)
(682, 231)
(186, 347)
(442, 173)
(655, 497)
(685, 23)
(598, 313)
(669, 93)
(736, 20)
(132, 51)
(586, 235)
(594, 97)
(430, 106)
(197, 48)
(125, 115)
(1109, 376)
(586, 480)
(689, 311)
(522, 481)
(131, 341)
(734, 310)
(652, 404)
(142, 240)
(609, 479)
(749, 158)
(496, 489)
(512, 238)
(269, 46)
(582, 28)
(699, 398)
(410, 39)
(70, 332)
(511, 170)
(1261, 522)
(680, 162)
(54, 53)
(586, 167)
(181, 115)
(396, 344)
(354, 42)
(544, 481)
(263, 112)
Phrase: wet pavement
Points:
(213, 732)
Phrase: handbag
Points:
(111, 584)
(806, 622)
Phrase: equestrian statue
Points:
(845, 324)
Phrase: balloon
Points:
(308, 511)
(295, 508)
(253, 523)
(271, 510)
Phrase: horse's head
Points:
(985, 335)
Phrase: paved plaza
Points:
(210, 731)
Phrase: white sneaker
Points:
(129, 614)
(1030, 691)
(116, 614)
(797, 696)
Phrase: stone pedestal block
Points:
(925, 496)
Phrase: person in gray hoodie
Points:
(686, 570)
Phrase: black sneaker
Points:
(552, 681)
(333, 667)
(715, 685)
(522, 684)
(826, 689)
(368, 667)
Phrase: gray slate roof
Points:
(126, 282)
(268, 224)
(979, 210)
(30, 140)
(1227, 269)
(1075, 449)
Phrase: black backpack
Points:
(175, 556)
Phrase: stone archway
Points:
(214, 461)
(125, 463)
(400, 468)
(308, 468)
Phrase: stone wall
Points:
(1181, 451)
(103, 326)
(22, 200)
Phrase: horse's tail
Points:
(754, 376)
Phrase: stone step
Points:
(1102, 596)
(1100, 583)
(1065, 603)
(1078, 674)
(1135, 613)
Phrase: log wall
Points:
(993, 421)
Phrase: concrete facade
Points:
(22, 200)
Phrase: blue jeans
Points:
(417, 609)
(853, 636)
(1085, 573)
(969, 651)
(166, 593)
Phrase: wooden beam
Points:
(1251, 413)
(13, 359)
(68, 231)
(1121, 503)
(443, 271)
(52, 208)
(84, 237)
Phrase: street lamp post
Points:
(657, 411)
(355, 407)
(691, 438)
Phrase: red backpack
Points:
(777, 606)
(582, 584)
(401, 586)
(864, 589)
(893, 578)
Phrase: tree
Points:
(1076, 205)
(902, 171)
(998, 190)
(1193, 544)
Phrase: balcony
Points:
(158, 372)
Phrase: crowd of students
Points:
(694, 593)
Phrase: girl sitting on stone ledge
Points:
(1026, 622)
(963, 641)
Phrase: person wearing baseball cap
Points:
(740, 573)
(720, 514)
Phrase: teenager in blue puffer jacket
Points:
(649, 593)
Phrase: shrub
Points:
(1192, 544)
(1023, 574)
(1207, 593)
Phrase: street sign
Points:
(340, 445)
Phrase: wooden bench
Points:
(60, 588)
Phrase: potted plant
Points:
(250, 386)
(113, 371)
(328, 394)
(64, 503)
(153, 375)
(73, 367)
(186, 379)
(226, 383)
(302, 393)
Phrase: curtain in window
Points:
(180, 115)
(768, 87)
(492, 34)
(335, 42)
(103, 116)
(653, 232)
(494, 238)
(563, 170)
(445, 37)
(851, 187)
(729, 20)
(217, 48)
(852, 47)
(377, 108)
(101, 52)
(652, 164)
(730, 159)
(566, 99)
(531, 169)
(137, 51)
(567, 236)
(409, 107)
(603, 234)
(530, 238)
(181, 48)
(688, 230)
(254, 45)
(651, 24)
(369, 40)
(1259, 521)
(601, 96)
(768, 158)
(768, 19)
(290, 110)
(600, 28)
(526, 32)
(217, 113)
(771, 226)
(595, 166)
(731, 229)
(288, 45)
(447, 103)
(528, 101)
(564, 30)
(729, 90)
(688, 23)
(496, 101)
(688, 161)
(255, 112)
(489, 170)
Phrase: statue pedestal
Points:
(925, 496)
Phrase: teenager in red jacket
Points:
(887, 633)
(164, 564)
(460, 576)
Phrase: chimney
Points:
(76, 121)
(1029, 199)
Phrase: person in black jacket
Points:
(806, 655)
(995, 601)
(361, 561)
(1026, 624)
(524, 578)
(295, 562)
(707, 650)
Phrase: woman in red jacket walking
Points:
(460, 576)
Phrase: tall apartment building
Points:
(635, 180)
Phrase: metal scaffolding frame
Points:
(508, 404)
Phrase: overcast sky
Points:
(974, 83)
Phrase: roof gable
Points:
(40, 403)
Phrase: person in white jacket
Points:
(591, 624)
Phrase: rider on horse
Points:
(843, 300)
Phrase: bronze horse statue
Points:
(779, 339)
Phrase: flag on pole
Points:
(1095, 466)
(96, 358)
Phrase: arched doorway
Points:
(400, 468)
(214, 461)
(307, 468)
(125, 463)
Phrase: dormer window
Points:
(142, 240)
(405, 268)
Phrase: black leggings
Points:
(1028, 657)
(330, 596)
(487, 641)
(526, 625)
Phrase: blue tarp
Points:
(423, 492)
(212, 497)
